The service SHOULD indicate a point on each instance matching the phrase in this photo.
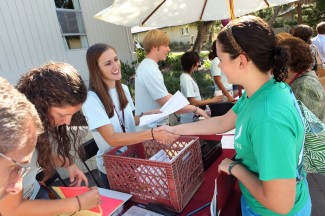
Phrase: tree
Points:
(276, 10)
(203, 27)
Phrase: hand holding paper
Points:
(88, 199)
(175, 103)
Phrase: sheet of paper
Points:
(110, 205)
(214, 204)
(112, 200)
(227, 142)
(175, 103)
(114, 194)
(137, 211)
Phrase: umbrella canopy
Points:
(161, 13)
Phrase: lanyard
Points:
(122, 121)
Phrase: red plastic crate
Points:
(171, 184)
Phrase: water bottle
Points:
(207, 110)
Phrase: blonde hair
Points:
(154, 38)
(16, 114)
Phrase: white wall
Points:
(30, 36)
(173, 32)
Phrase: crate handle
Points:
(187, 156)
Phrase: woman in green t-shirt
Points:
(269, 131)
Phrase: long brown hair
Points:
(96, 83)
(59, 85)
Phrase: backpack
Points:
(314, 141)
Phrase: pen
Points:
(199, 209)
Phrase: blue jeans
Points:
(104, 179)
(305, 211)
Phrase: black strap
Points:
(122, 121)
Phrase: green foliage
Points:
(172, 71)
(172, 79)
(205, 82)
(207, 64)
(128, 72)
(179, 46)
(174, 61)
(314, 13)
(204, 54)
(140, 55)
(203, 79)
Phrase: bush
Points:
(205, 82)
(128, 73)
(172, 79)
(179, 46)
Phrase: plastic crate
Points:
(171, 184)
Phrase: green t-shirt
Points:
(269, 138)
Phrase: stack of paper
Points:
(175, 103)
(108, 207)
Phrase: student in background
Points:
(19, 126)
(304, 32)
(58, 92)
(150, 90)
(267, 122)
(303, 81)
(319, 40)
(109, 107)
(189, 87)
(219, 78)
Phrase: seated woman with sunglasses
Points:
(19, 126)
(58, 92)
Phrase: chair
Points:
(49, 181)
(86, 151)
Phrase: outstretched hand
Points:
(217, 99)
(163, 136)
(201, 112)
(154, 111)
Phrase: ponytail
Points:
(281, 57)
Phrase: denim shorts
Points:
(305, 211)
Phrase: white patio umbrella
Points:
(161, 13)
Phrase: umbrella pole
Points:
(203, 9)
(145, 20)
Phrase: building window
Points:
(71, 24)
(184, 31)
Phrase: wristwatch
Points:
(234, 163)
(141, 114)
